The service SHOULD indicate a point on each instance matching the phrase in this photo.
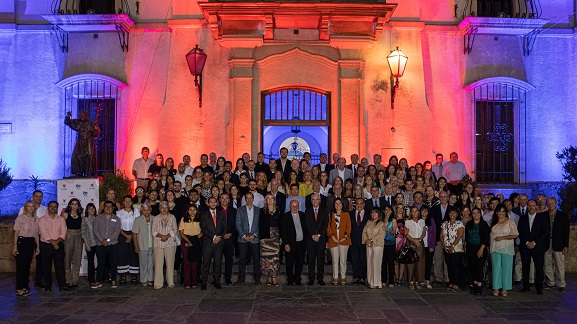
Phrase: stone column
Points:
(238, 130)
(353, 132)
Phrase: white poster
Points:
(84, 189)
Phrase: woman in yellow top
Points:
(306, 187)
(339, 240)
(189, 230)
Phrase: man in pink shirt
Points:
(52, 234)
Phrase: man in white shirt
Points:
(454, 171)
(140, 168)
(187, 168)
(258, 199)
(180, 175)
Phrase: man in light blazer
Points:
(248, 238)
(213, 227)
(340, 171)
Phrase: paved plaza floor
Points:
(249, 304)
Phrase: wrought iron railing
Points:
(503, 8)
(87, 7)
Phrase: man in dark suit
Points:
(316, 190)
(261, 165)
(283, 164)
(323, 166)
(389, 197)
(438, 213)
(337, 193)
(375, 200)
(359, 218)
(229, 236)
(555, 256)
(521, 210)
(533, 243)
(194, 199)
(213, 227)
(316, 219)
(248, 238)
(292, 235)
(332, 166)
(354, 164)
(279, 196)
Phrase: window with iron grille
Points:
(295, 118)
(499, 140)
(99, 98)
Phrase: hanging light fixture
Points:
(397, 63)
(196, 59)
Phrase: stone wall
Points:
(19, 191)
(7, 263)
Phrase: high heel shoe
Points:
(496, 292)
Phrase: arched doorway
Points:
(295, 118)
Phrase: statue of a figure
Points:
(83, 157)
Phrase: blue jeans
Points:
(254, 250)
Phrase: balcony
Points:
(90, 15)
(502, 8)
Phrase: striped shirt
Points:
(163, 227)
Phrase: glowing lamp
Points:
(397, 63)
(196, 59)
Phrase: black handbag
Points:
(407, 255)
(194, 252)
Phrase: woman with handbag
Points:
(452, 231)
(415, 231)
(166, 239)
(400, 242)
(189, 231)
(339, 240)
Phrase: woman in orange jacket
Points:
(339, 239)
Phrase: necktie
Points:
(375, 203)
(358, 218)
(316, 214)
(214, 217)
(388, 200)
(522, 211)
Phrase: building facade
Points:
(488, 79)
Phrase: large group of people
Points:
(183, 219)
